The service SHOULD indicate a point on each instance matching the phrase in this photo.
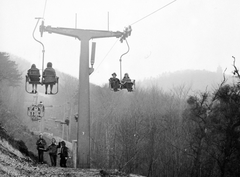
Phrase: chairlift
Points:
(126, 83)
(36, 112)
(117, 85)
(34, 78)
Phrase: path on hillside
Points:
(14, 164)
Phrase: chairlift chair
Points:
(33, 76)
(29, 81)
(50, 78)
(122, 85)
(115, 85)
(35, 112)
(129, 85)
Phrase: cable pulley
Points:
(127, 32)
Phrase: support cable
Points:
(153, 12)
(45, 5)
(135, 23)
(106, 55)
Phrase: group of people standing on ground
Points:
(126, 82)
(49, 76)
(53, 151)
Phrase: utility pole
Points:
(83, 134)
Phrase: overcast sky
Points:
(188, 34)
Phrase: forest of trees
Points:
(10, 99)
(153, 132)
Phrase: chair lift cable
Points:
(135, 23)
(106, 55)
(153, 12)
(45, 5)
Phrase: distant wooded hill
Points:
(195, 80)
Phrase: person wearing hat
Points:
(41, 148)
(114, 82)
(63, 154)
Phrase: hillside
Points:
(14, 163)
(149, 131)
(17, 139)
(195, 80)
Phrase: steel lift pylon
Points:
(83, 134)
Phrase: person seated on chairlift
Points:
(127, 82)
(34, 76)
(114, 82)
(49, 76)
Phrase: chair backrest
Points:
(49, 76)
(33, 72)
(49, 73)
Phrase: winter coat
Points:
(41, 143)
(34, 74)
(126, 79)
(49, 75)
(63, 152)
(115, 80)
(53, 149)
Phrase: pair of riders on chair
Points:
(125, 83)
(49, 77)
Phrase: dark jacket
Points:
(41, 143)
(126, 79)
(114, 83)
(115, 80)
(53, 149)
(49, 75)
(63, 152)
(34, 74)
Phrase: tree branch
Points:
(235, 68)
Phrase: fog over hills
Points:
(195, 80)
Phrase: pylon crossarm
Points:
(63, 31)
(103, 34)
(80, 33)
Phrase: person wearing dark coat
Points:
(114, 82)
(63, 154)
(52, 149)
(49, 76)
(41, 143)
(34, 76)
(127, 82)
